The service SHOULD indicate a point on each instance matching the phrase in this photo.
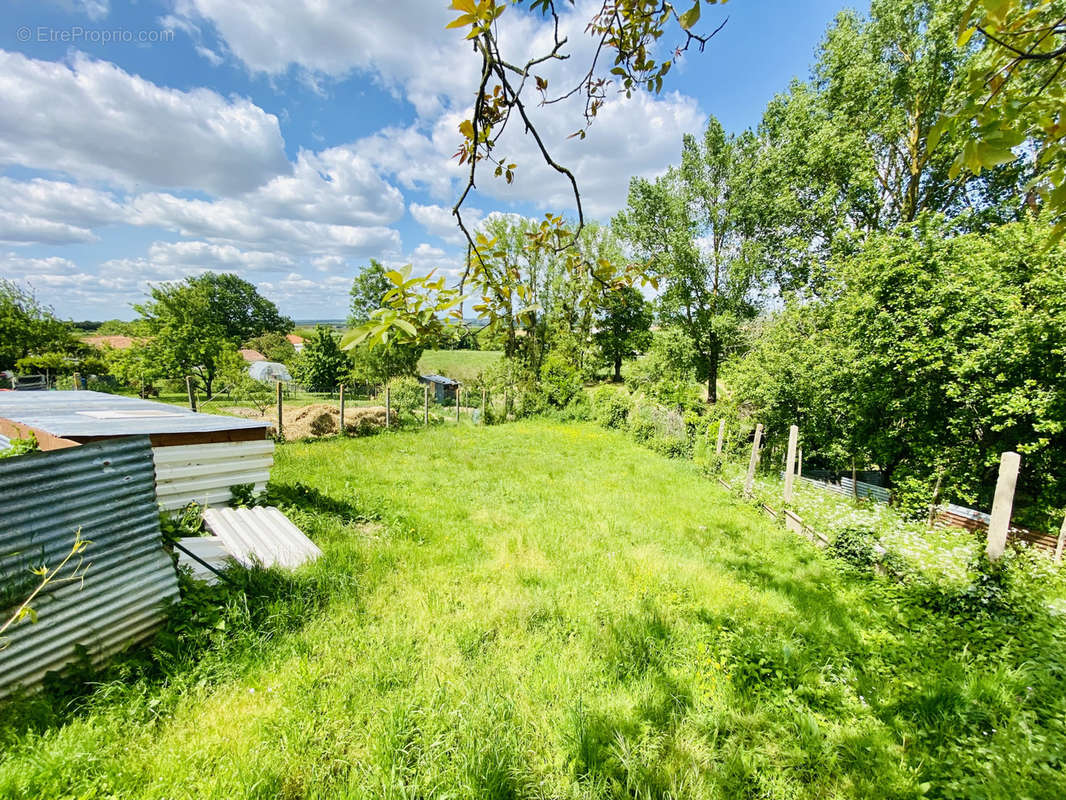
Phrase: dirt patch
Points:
(320, 419)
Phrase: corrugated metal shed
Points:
(107, 490)
(203, 473)
(263, 535)
(89, 416)
(443, 388)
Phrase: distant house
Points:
(251, 355)
(443, 388)
(296, 341)
(114, 342)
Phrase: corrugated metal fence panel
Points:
(107, 491)
(973, 520)
(203, 473)
(865, 490)
(5, 443)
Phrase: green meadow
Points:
(546, 610)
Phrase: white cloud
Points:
(18, 228)
(92, 120)
(17, 266)
(59, 201)
(239, 223)
(403, 43)
(337, 186)
(440, 221)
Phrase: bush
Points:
(407, 397)
(856, 546)
(560, 380)
(611, 407)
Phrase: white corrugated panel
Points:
(203, 473)
(210, 549)
(262, 535)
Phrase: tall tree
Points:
(623, 327)
(367, 294)
(193, 322)
(854, 149)
(28, 327)
(683, 226)
(321, 366)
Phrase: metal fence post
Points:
(425, 419)
(342, 409)
(192, 392)
(280, 410)
(749, 482)
(999, 524)
(790, 462)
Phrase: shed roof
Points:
(251, 355)
(95, 415)
(439, 379)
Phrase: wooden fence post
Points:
(935, 504)
(790, 462)
(457, 390)
(721, 437)
(999, 524)
(77, 381)
(388, 407)
(191, 391)
(749, 482)
(1061, 542)
(484, 396)
(799, 463)
(280, 411)
(342, 410)
(425, 419)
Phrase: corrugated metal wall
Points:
(107, 490)
(203, 473)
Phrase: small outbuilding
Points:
(444, 389)
(198, 457)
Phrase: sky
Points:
(291, 141)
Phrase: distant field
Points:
(460, 365)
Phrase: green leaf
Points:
(690, 17)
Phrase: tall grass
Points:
(547, 610)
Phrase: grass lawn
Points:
(459, 365)
(540, 610)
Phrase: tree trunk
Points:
(617, 369)
(712, 374)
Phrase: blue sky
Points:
(290, 141)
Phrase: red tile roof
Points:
(252, 355)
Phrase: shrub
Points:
(560, 380)
(407, 396)
(856, 546)
(610, 407)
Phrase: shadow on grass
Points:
(211, 634)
